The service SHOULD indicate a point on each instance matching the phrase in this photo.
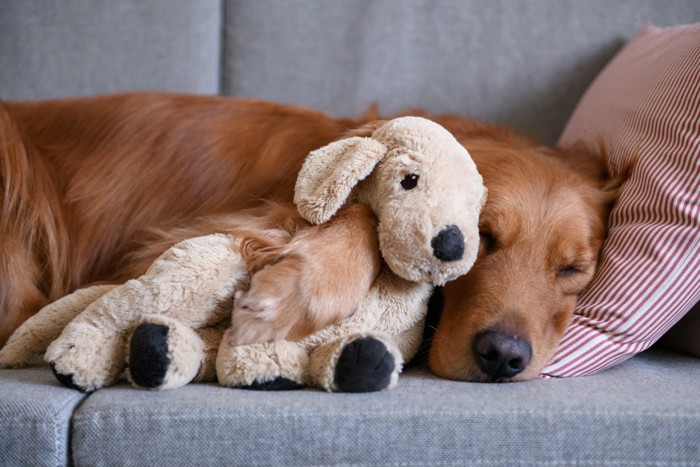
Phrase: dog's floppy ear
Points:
(330, 173)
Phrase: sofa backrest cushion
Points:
(520, 63)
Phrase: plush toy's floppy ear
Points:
(330, 173)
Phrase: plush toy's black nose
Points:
(448, 245)
(501, 355)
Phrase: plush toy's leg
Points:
(363, 362)
(276, 365)
(34, 336)
(192, 282)
(409, 341)
(165, 354)
(212, 339)
(87, 367)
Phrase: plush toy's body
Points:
(173, 324)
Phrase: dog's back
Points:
(82, 178)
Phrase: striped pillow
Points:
(646, 105)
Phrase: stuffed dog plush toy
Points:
(173, 325)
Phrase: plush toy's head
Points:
(420, 182)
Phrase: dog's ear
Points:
(330, 173)
(593, 161)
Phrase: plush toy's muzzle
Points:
(418, 249)
(448, 245)
(419, 181)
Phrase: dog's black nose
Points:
(448, 245)
(501, 355)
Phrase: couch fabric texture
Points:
(524, 64)
(642, 412)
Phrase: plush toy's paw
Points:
(279, 365)
(66, 379)
(364, 365)
(163, 354)
(83, 360)
(148, 355)
(278, 384)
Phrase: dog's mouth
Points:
(498, 353)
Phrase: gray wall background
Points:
(523, 63)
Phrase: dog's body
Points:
(84, 180)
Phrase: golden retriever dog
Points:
(86, 182)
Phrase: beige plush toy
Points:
(173, 324)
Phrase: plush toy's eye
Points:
(410, 181)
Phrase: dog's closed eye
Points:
(487, 240)
(570, 270)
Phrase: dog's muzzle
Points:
(501, 354)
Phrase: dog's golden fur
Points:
(542, 229)
(316, 277)
(87, 182)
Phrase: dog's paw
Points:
(364, 365)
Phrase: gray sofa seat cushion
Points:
(643, 411)
(35, 413)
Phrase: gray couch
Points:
(523, 63)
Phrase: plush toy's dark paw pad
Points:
(148, 355)
(277, 384)
(66, 380)
(365, 365)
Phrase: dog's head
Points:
(420, 182)
(541, 231)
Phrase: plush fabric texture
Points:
(41, 329)
(645, 107)
(371, 171)
(191, 288)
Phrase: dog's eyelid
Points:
(571, 269)
(488, 239)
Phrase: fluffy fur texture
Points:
(86, 181)
(289, 284)
(542, 229)
(319, 277)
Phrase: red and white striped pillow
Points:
(645, 105)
